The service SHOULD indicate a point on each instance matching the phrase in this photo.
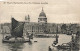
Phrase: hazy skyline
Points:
(57, 11)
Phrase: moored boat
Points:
(16, 33)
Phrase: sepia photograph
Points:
(39, 25)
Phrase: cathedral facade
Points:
(36, 27)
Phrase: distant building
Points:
(33, 28)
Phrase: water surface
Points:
(42, 44)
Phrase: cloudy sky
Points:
(57, 11)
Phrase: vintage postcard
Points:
(39, 25)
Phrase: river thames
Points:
(42, 44)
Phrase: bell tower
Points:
(27, 19)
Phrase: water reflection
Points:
(15, 46)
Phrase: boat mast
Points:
(57, 30)
(32, 32)
(32, 29)
(38, 29)
(56, 39)
(56, 34)
(3, 33)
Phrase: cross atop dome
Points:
(42, 9)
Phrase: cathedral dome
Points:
(42, 14)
